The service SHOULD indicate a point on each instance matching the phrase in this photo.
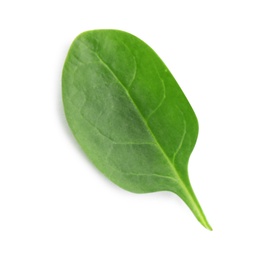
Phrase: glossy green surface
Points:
(129, 115)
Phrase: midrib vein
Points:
(150, 130)
(192, 201)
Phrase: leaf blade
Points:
(133, 78)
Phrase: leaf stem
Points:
(190, 199)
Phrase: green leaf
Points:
(129, 114)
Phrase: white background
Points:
(55, 205)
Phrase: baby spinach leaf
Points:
(129, 114)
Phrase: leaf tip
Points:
(205, 223)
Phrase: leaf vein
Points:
(161, 101)
(153, 174)
(135, 66)
(182, 139)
